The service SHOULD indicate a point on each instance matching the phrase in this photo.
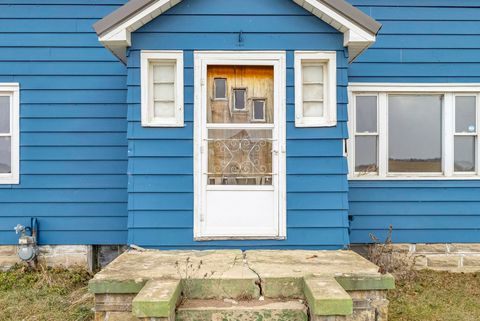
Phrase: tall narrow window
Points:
(258, 110)
(220, 88)
(9, 134)
(162, 88)
(366, 134)
(315, 89)
(465, 133)
(239, 99)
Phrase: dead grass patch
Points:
(389, 260)
(52, 294)
(436, 296)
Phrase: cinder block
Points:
(77, 260)
(443, 261)
(8, 250)
(420, 261)
(465, 247)
(114, 302)
(431, 248)
(71, 249)
(56, 261)
(401, 247)
(471, 261)
(7, 262)
(120, 316)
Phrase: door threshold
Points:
(237, 238)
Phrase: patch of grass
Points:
(436, 296)
(52, 294)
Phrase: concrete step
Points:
(325, 296)
(252, 310)
(157, 299)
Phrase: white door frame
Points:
(202, 59)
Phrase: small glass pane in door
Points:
(239, 157)
(245, 84)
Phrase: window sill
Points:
(329, 123)
(9, 180)
(153, 125)
(409, 177)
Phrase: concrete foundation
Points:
(453, 257)
(91, 257)
(235, 285)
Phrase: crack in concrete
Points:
(259, 281)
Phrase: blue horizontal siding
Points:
(420, 41)
(73, 146)
(182, 238)
(161, 159)
(427, 41)
(447, 209)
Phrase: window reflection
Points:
(465, 114)
(415, 133)
(464, 154)
(366, 154)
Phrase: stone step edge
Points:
(354, 282)
(326, 297)
(271, 310)
(157, 299)
(213, 305)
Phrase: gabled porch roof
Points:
(359, 29)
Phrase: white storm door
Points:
(241, 153)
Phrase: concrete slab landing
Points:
(187, 285)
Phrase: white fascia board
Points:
(359, 39)
(119, 38)
(359, 87)
(355, 38)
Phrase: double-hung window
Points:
(415, 131)
(9, 133)
(315, 89)
(162, 88)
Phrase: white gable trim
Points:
(356, 38)
(119, 38)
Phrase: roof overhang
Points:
(359, 30)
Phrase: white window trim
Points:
(330, 89)
(381, 90)
(13, 91)
(147, 57)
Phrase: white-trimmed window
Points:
(414, 131)
(315, 88)
(162, 88)
(9, 133)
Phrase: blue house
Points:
(202, 124)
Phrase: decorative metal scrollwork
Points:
(241, 158)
